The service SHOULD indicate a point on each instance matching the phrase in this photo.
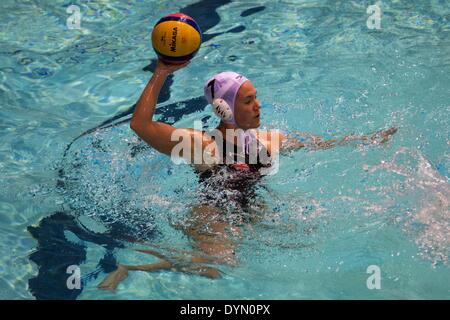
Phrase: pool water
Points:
(89, 200)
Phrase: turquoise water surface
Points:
(318, 68)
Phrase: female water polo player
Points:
(229, 160)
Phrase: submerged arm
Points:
(298, 140)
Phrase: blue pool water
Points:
(317, 67)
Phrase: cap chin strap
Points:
(248, 138)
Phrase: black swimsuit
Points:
(232, 186)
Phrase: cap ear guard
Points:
(222, 109)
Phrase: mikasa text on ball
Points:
(176, 38)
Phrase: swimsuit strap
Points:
(246, 160)
(236, 153)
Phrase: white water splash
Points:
(429, 219)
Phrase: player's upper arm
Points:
(179, 142)
(156, 134)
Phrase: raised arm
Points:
(156, 134)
